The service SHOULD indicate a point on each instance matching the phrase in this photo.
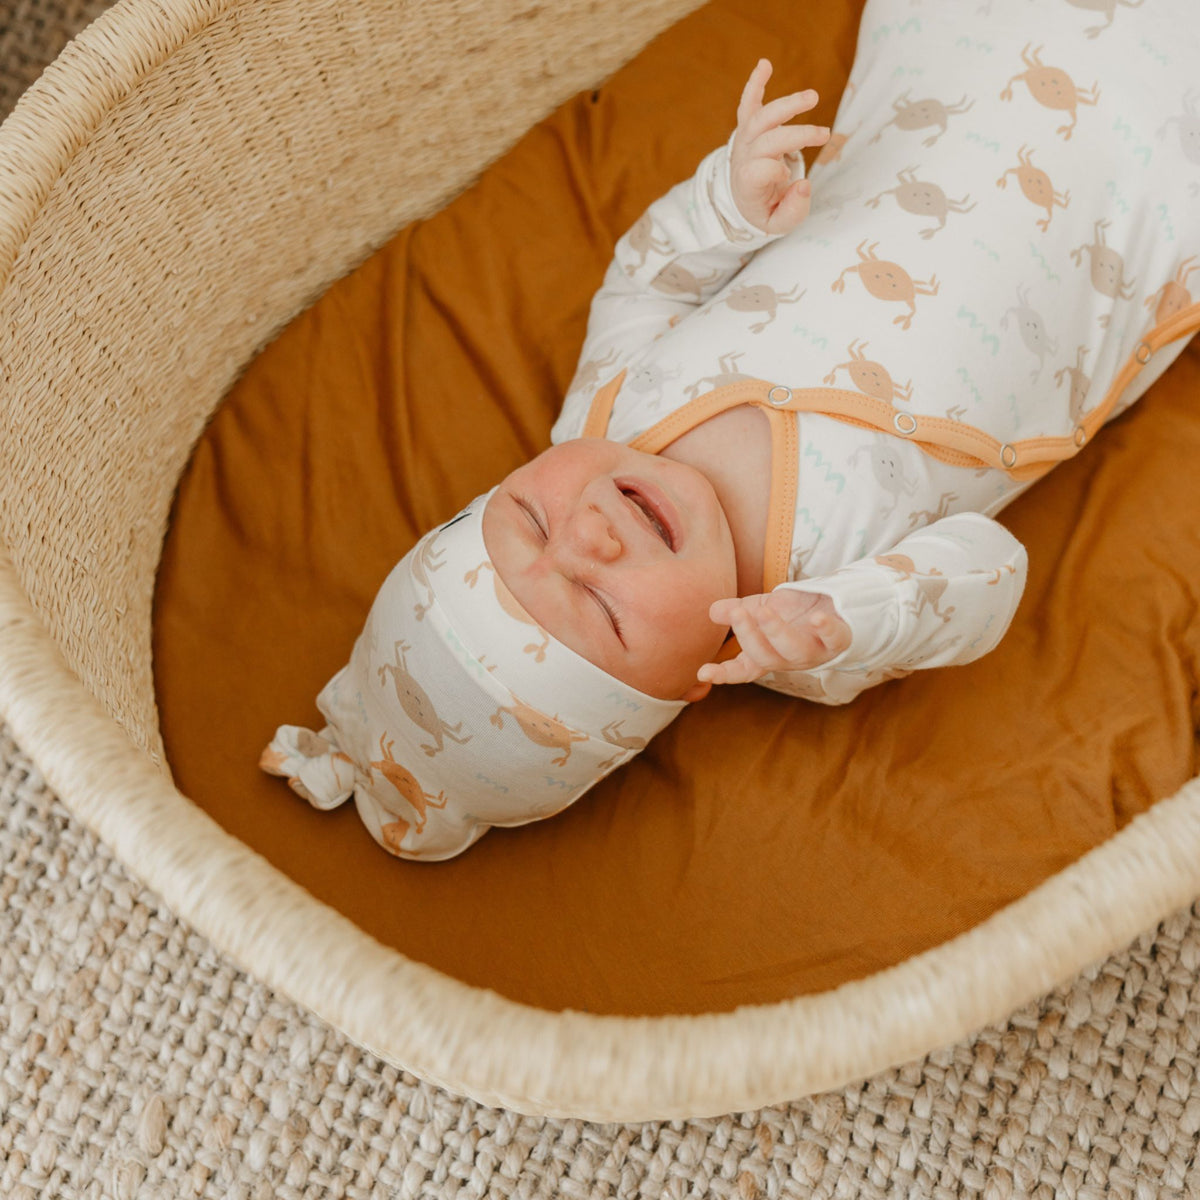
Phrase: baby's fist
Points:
(762, 153)
(783, 630)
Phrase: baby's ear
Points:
(696, 692)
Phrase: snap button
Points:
(905, 423)
(1008, 456)
(778, 401)
(1138, 352)
(1080, 435)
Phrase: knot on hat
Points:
(457, 712)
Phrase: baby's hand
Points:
(763, 151)
(784, 630)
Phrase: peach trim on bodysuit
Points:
(948, 440)
(601, 408)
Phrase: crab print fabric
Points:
(457, 712)
(1008, 204)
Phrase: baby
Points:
(721, 510)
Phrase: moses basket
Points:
(186, 178)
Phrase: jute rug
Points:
(136, 1062)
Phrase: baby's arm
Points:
(689, 243)
(942, 596)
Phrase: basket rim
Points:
(466, 1039)
(474, 1042)
(54, 117)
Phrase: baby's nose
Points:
(595, 538)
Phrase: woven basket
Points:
(179, 184)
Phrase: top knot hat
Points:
(457, 711)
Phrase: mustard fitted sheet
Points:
(762, 847)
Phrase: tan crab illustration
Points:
(426, 560)
(888, 281)
(1189, 130)
(642, 240)
(512, 606)
(308, 744)
(996, 573)
(1032, 329)
(871, 378)
(676, 280)
(1052, 88)
(931, 584)
(1173, 295)
(541, 729)
(887, 468)
(312, 745)
(402, 780)
(394, 833)
(927, 517)
(587, 377)
(1107, 268)
(1107, 7)
(923, 200)
(1080, 384)
(417, 706)
(646, 380)
(614, 737)
(921, 114)
(1036, 186)
(728, 374)
(759, 297)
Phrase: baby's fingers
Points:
(789, 139)
(734, 670)
(752, 93)
(792, 209)
(758, 633)
(773, 115)
(755, 117)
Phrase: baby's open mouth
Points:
(651, 508)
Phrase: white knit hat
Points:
(457, 711)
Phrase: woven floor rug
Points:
(136, 1062)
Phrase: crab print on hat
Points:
(416, 705)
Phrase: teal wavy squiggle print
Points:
(965, 376)
(1165, 217)
(966, 43)
(1154, 52)
(1040, 259)
(822, 343)
(1140, 149)
(1111, 187)
(986, 337)
(986, 143)
(819, 460)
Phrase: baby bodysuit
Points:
(1005, 210)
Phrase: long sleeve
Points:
(942, 596)
(679, 253)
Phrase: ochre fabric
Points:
(762, 847)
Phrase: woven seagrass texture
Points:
(136, 1062)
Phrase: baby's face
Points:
(617, 554)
